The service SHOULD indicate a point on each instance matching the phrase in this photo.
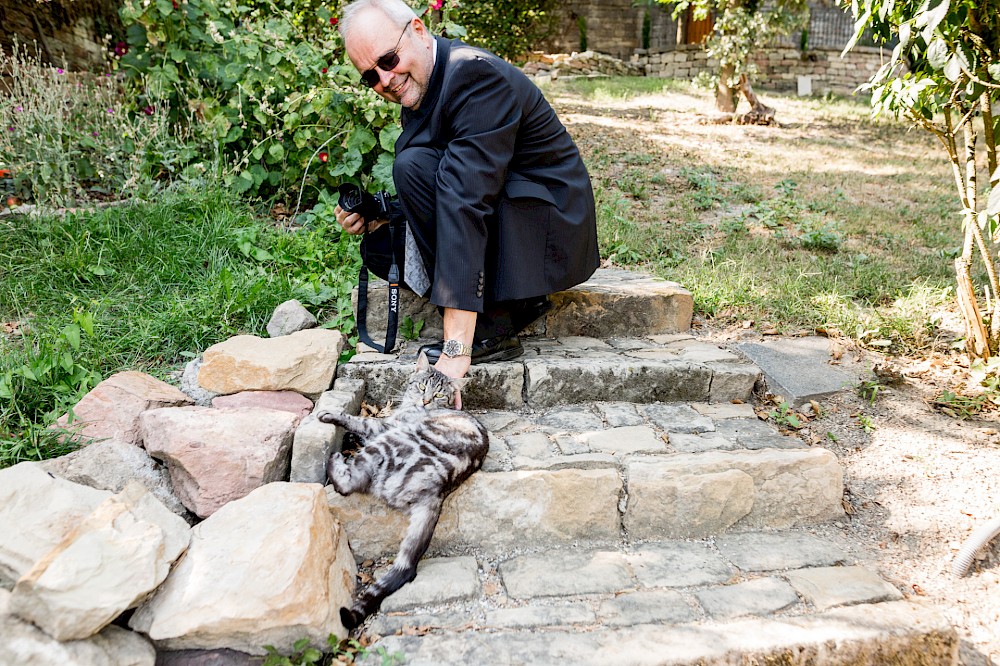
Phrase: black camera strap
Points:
(390, 331)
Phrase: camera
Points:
(353, 199)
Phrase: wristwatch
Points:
(453, 348)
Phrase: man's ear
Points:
(422, 362)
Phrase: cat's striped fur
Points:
(412, 459)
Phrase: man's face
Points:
(373, 36)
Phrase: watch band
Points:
(453, 348)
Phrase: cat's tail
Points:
(423, 519)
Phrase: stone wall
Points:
(64, 32)
(780, 67)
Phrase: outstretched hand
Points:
(454, 367)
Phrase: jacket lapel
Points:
(414, 121)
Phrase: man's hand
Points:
(455, 367)
(353, 223)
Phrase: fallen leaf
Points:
(919, 590)
(368, 563)
(748, 323)
(771, 331)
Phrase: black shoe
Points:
(483, 351)
(529, 312)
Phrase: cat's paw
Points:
(335, 470)
(350, 618)
(327, 417)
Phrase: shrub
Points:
(67, 137)
(266, 85)
(509, 28)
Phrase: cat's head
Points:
(430, 387)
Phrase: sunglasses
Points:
(386, 63)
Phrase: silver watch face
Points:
(452, 348)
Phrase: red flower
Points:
(323, 157)
(149, 109)
(334, 20)
(121, 48)
(175, 4)
(324, 70)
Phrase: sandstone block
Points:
(110, 464)
(24, 644)
(754, 551)
(681, 503)
(118, 555)
(624, 440)
(761, 596)
(439, 580)
(36, 512)
(215, 456)
(497, 510)
(288, 318)
(283, 401)
(269, 569)
(305, 362)
(646, 607)
(111, 409)
(679, 564)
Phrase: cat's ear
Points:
(422, 362)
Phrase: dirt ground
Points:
(918, 482)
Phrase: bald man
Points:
(497, 202)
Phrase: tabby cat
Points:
(412, 459)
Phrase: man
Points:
(496, 198)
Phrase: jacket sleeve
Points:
(480, 117)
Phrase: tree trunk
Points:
(725, 96)
(759, 113)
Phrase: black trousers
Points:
(415, 176)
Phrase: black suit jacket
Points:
(514, 200)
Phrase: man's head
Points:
(376, 32)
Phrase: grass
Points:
(144, 287)
(833, 220)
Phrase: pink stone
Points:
(285, 401)
(215, 456)
(111, 410)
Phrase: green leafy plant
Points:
(346, 651)
(409, 329)
(785, 417)
(270, 87)
(869, 389)
(509, 28)
(867, 423)
(958, 405)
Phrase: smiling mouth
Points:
(396, 90)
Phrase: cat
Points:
(412, 459)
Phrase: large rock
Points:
(283, 401)
(499, 510)
(215, 456)
(112, 408)
(118, 555)
(110, 465)
(305, 362)
(23, 644)
(269, 569)
(37, 511)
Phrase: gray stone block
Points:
(679, 564)
(314, 441)
(798, 368)
(756, 551)
(678, 418)
(646, 607)
(566, 572)
(439, 581)
(828, 587)
(530, 617)
(755, 434)
(762, 596)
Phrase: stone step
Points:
(567, 370)
(614, 472)
(779, 597)
(612, 303)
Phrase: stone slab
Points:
(874, 635)
(439, 580)
(644, 607)
(828, 587)
(798, 368)
(679, 564)
(761, 596)
(530, 617)
(566, 572)
(757, 551)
